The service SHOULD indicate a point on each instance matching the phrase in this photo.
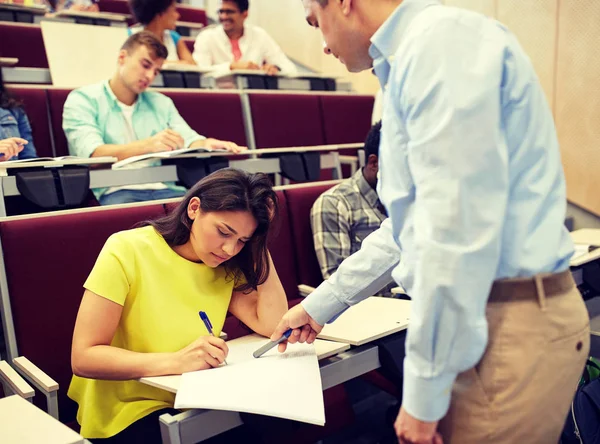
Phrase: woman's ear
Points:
(193, 208)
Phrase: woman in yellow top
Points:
(139, 313)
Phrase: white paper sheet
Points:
(284, 385)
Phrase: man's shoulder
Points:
(93, 91)
(210, 32)
(257, 31)
(156, 98)
(338, 193)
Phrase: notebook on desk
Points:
(369, 320)
(47, 162)
(162, 155)
(285, 385)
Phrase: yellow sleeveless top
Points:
(161, 294)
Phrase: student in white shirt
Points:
(160, 17)
(234, 45)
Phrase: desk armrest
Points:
(41, 381)
(305, 290)
(224, 336)
(398, 290)
(11, 378)
(36, 376)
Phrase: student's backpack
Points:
(583, 421)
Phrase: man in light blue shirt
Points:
(120, 118)
(472, 180)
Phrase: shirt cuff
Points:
(426, 399)
(322, 305)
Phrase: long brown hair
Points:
(230, 189)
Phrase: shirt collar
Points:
(113, 99)
(365, 189)
(386, 40)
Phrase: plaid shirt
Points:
(341, 218)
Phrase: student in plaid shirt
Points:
(343, 216)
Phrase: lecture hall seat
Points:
(47, 260)
(36, 107)
(56, 103)
(300, 201)
(282, 120)
(213, 114)
(25, 42)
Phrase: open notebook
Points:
(160, 155)
(284, 385)
(38, 159)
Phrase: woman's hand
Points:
(204, 353)
(11, 147)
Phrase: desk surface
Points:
(34, 9)
(324, 349)
(586, 236)
(111, 16)
(191, 25)
(8, 61)
(24, 423)
(369, 320)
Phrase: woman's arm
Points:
(262, 309)
(29, 151)
(184, 53)
(93, 357)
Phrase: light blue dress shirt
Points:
(472, 179)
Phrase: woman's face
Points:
(216, 237)
(169, 17)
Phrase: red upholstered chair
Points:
(282, 120)
(191, 14)
(56, 103)
(300, 201)
(212, 114)
(346, 118)
(47, 260)
(36, 107)
(25, 42)
(115, 6)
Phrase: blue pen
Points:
(208, 325)
(269, 345)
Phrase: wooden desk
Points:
(94, 18)
(11, 12)
(24, 423)
(197, 424)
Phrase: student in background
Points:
(342, 217)
(235, 45)
(160, 17)
(119, 118)
(16, 141)
(139, 313)
(73, 5)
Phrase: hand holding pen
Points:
(209, 327)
